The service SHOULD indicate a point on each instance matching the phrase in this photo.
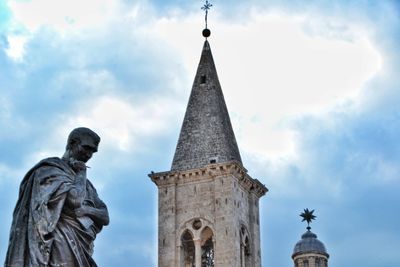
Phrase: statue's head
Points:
(82, 143)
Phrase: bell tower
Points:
(208, 205)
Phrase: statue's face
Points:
(84, 150)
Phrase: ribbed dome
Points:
(309, 244)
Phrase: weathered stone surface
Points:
(206, 135)
(224, 196)
(208, 208)
(58, 213)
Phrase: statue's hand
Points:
(81, 214)
(81, 211)
(78, 166)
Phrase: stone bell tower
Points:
(208, 206)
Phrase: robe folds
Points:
(45, 232)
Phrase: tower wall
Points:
(227, 248)
(255, 228)
(166, 225)
(223, 197)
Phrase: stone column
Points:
(242, 256)
(197, 249)
(214, 247)
(179, 256)
(311, 261)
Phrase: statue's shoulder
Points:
(48, 167)
(52, 163)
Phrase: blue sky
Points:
(312, 88)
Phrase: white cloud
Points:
(124, 122)
(69, 19)
(126, 126)
(63, 15)
(272, 69)
(16, 46)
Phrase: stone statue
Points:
(58, 213)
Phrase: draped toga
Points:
(45, 232)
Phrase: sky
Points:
(312, 88)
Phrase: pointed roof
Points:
(206, 135)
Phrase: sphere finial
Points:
(206, 33)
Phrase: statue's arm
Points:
(77, 193)
(99, 215)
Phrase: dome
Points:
(309, 244)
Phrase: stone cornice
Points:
(302, 255)
(208, 172)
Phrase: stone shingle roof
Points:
(206, 135)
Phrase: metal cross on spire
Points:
(206, 7)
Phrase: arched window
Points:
(305, 263)
(318, 262)
(188, 250)
(207, 248)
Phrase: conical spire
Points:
(206, 134)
